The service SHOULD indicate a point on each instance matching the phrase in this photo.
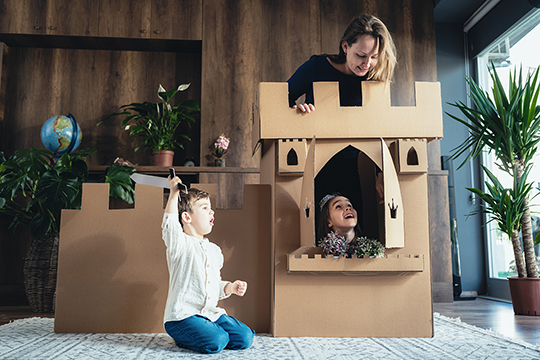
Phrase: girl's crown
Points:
(325, 199)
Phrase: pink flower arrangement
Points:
(336, 245)
(221, 145)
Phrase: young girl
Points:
(338, 215)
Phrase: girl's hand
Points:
(305, 108)
(238, 287)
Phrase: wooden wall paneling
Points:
(187, 69)
(127, 18)
(291, 34)
(231, 71)
(23, 16)
(72, 17)
(29, 96)
(173, 19)
(120, 79)
(91, 84)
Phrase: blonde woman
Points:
(366, 52)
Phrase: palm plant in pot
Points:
(34, 188)
(507, 125)
(156, 123)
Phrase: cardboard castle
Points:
(112, 274)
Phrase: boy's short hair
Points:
(187, 200)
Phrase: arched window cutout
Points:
(412, 157)
(292, 158)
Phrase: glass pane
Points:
(519, 47)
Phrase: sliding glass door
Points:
(518, 47)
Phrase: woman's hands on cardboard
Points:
(305, 108)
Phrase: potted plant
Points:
(156, 123)
(221, 145)
(367, 247)
(34, 188)
(335, 245)
(507, 125)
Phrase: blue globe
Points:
(61, 134)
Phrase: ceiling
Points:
(455, 11)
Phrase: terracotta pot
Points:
(163, 158)
(220, 162)
(525, 294)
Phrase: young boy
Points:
(192, 317)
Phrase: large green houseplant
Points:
(156, 123)
(34, 188)
(506, 124)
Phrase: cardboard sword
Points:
(154, 180)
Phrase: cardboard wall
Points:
(112, 269)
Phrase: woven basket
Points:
(40, 269)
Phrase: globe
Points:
(61, 134)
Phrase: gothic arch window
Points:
(292, 158)
(412, 156)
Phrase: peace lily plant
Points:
(507, 125)
(156, 123)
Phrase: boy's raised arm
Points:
(172, 203)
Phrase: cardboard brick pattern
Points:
(327, 297)
(276, 118)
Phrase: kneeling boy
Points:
(192, 317)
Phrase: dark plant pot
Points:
(163, 158)
(40, 269)
(220, 162)
(525, 294)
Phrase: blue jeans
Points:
(200, 334)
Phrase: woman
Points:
(366, 52)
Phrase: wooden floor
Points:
(483, 313)
(495, 315)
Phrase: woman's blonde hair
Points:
(370, 25)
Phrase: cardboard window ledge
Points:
(310, 259)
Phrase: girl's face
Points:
(361, 55)
(342, 215)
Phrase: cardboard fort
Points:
(301, 158)
(112, 271)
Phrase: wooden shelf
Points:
(185, 170)
(101, 43)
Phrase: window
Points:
(517, 47)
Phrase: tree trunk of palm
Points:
(526, 232)
(518, 254)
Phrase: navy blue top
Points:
(317, 69)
